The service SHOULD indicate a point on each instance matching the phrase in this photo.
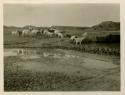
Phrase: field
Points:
(54, 64)
(65, 43)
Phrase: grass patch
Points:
(39, 81)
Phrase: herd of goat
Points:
(48, 33)
(74, 39)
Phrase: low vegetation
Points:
(24, 80)
(19, 79)
(94, 46)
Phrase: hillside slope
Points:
(107, 26)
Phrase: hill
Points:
(103, 26)
(107, 26)
(69, 27)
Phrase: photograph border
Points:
(122, 48)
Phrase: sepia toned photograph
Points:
(61, 47)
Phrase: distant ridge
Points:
(15, 27)
(107, 25)
(103, 26)
(68, 27)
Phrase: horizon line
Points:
(58, 25)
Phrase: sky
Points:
(60, 14)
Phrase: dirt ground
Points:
(60, 70)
